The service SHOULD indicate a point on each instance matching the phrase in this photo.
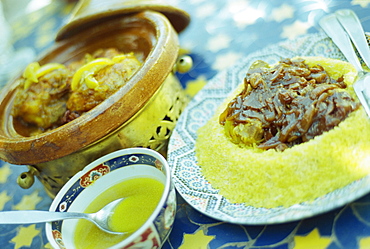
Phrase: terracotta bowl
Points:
(94, 185)
(142, 113)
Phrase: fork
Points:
(345, 30)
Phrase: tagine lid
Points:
(87, 13)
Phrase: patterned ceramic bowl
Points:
(105, 173)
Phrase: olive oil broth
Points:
(142, 197)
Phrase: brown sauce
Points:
(284, 105)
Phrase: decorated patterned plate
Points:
(187, 176)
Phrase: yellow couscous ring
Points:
(299, 174)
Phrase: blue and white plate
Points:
(187, 176)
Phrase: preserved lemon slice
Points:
(87, 71)
(34, 71)
(48, 68)
(90, 81)
(119, 58)
(30, 74)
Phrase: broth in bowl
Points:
(140, 175)
(142, 196)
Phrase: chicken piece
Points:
(108, 80)
(42, 103)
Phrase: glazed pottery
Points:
(142, 113)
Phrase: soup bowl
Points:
(142, 113)
(101, 182)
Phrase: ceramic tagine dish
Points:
(119, 62)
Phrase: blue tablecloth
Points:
(220, 33)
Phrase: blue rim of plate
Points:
(186, 175)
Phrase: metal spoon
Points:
(99, 218)
(342, 27)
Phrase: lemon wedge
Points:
(30, 74)
(34, 71)
(47, 68)
(119, 58)
(90, 81)
(87, 71)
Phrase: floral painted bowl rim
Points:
(114, 161)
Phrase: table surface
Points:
(220, 33)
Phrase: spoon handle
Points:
(34, 216)
(336, 32)
(352, 25)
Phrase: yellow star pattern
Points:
(296, 29)
(311, 240)
(364, 243)
(197, 240)
(285, 11)
(25, 236)
(5, 171)
(219, 42)
(193, 86)
(243, 14)
(28, 202)
(4, 198)
(206, 10)
(48, 246)
(362, 3)
(225, 60)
